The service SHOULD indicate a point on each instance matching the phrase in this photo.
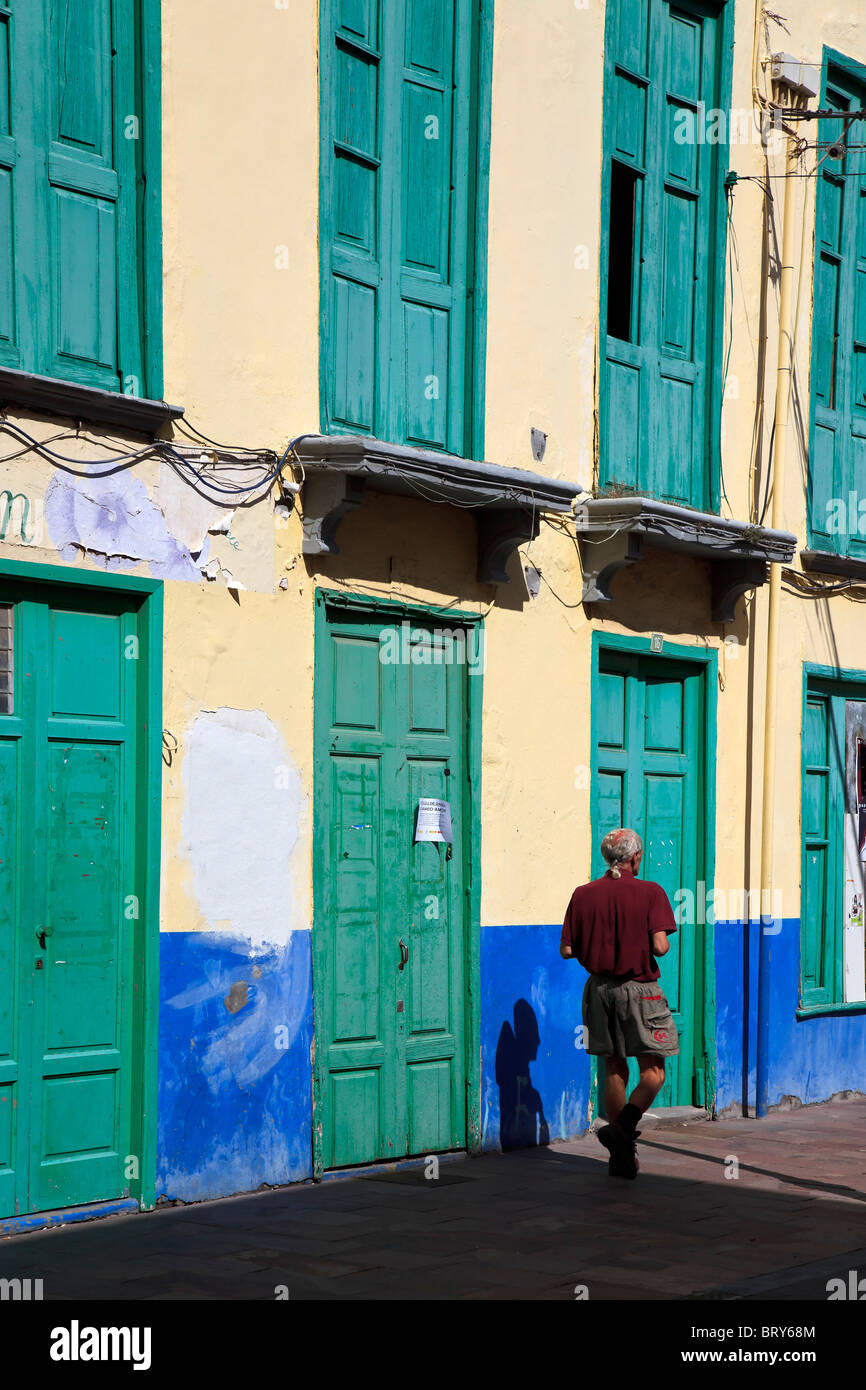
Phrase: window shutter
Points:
(663, 78)
(837, 452)
(829, 448)
(83, 192)
(856, 197)
(395, 223)
(431, 229)
(71, 282)
(8, 156)
(821, 821)
(678, 464)
(352, 229)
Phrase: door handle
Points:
(404, 954)
(41, 933)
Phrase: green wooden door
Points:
(70, 785)
(648, 738)
(662, 196)
(390, 945)
(399, 106)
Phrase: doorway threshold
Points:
(40, 1220)
(669, 1116)
(388, 1167)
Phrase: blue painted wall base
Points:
(236, 1028)
(811, 1059)
(235, 1079)
(535, 1076)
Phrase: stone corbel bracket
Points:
(603, 558)
(500, 532)
(615, 531)
(327, 499)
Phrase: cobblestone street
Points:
(532, 1224)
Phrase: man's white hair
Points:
(618, 847)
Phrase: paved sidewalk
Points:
(530, 1224)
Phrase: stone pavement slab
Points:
(530, 1224)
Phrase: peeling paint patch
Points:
(112, 521)
(237, 997)
(244, 803)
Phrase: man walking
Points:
(615, 927)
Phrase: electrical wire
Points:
(185, 460)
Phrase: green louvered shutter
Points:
(351, 221)
(9, 351)
(837, 455)
(397, 220)
(69, 141)
(662, 196)
(821, 820)
(17, 196)
(91, 190)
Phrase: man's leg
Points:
(619, 1134)
(652, 1078)
(615, 1078)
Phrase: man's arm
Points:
(662, 922)
(565, 939)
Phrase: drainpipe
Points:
(780, 437)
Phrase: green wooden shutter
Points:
(8, 157)
(821, 818)
(70, 139)
(837, 453)
(85, 163)
(624, 420)
(664, 70)
(397, 218)
(351, 220)
(18, 264)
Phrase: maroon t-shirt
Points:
(609, 923)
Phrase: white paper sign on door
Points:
(434, 820)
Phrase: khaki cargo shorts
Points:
(627, 1018)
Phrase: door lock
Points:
(41, 933)
(404, 954)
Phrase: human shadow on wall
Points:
(521, 1116)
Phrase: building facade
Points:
(537, 337)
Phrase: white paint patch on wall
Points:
(243, 809)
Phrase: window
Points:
(400, 201)
(837, 433)
(7, 669)
(73, 196)
(661, 194)
(832, 951)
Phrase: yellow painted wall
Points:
(241, 354)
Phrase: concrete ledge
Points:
(67, 398)
(740, 552)
(827, 562)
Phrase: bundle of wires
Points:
(229, 475)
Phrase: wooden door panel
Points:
(390, 932)
(85, 740)
(10, 1007)
(648, 772)
(69, 876)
